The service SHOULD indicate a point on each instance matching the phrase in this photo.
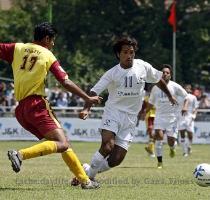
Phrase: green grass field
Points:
(136, 178)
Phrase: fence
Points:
(88, 130)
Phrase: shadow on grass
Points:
(132, 167)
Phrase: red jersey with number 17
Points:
(30, 64)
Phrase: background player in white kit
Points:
(125, 83)
(186, 122)
(166, 117)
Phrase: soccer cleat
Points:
(172, 153)
(90, 185)
(15, 159)
(160, 165)
(185, 154)
(75, 182)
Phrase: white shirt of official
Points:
(161, 102)
(126, 86)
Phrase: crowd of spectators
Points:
(61, 99)
(7, 98)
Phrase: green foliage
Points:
(14, 27)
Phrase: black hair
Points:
(44, 29)
(125, 40)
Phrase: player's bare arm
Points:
(142, 112)
(73, 88)
(162, 85)
(185, 107)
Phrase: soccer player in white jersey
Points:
(125, 83)
(166, 116)
(186, 122)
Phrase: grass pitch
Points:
(136, 178)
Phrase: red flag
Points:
(172, 16)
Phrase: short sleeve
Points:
(103, 83)
(181, 91)
(153, 75)
(7, 51)
(58, 71)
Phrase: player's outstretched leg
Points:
(172, 146)
(159, 153)
(150, 149)
(15, 159)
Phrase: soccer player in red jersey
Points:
(31, 63)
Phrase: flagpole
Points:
(172, 22)
(174, 55)
(174, 42)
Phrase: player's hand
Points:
(173, 101)
(184, 112)
(193, 116)
(84, 114)
(95, 100)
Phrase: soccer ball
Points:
(202, 174)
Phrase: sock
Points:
(37, 150)
(74, 165)
(175, 143)
(159, 148)
(189, 143)
(189, 146)
(104, 166)
(183, 143)
(151, 146)
(95, 164)
(159, 158)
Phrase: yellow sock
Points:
(74, 165)
(37, 150)
(151, 146)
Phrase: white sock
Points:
(159, 148)
(184, 146)
(104, 166)
(189, 143)
(95, 164)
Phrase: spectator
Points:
(73, 101)
(62, 100)
(204, 101)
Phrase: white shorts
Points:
(122, 124)
(167, 124)
(186, 123)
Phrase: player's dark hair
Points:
(168, 67)
(44, 29)
(125, 40)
